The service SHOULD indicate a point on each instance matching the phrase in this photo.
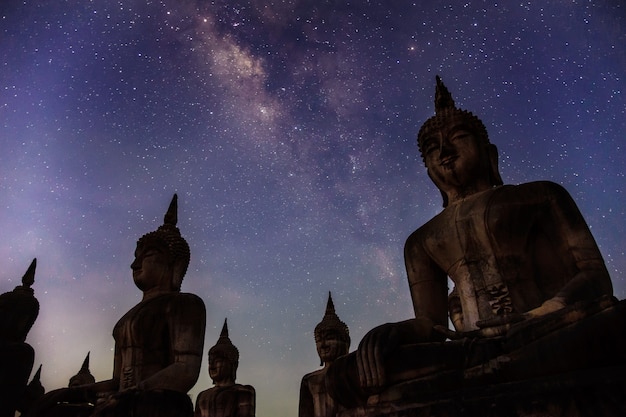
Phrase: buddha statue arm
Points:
(305, 406)
(428, 285)
(247, 401)
(590, 279)
(427, 282)
(201, 404)
(186, 318)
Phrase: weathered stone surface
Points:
(532, 307)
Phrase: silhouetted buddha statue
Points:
(34, 392)
(332, 340)
(226, 398)
(529, 280)
(158, 343)
(18, 312)
(83, 377)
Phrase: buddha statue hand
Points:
(549, 306)
(370, 354)
(493, 327)
(378, 342)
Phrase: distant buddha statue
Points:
(525, 268)
(226, 398)
(84, 376)
(18, 312)
(332, 340)
(34, 392)
(158, 343)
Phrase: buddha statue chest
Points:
(143, 337)
(501, 250)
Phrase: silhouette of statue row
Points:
(158, 348)
(532, 305)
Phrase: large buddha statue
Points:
(332, 340)
(529, 281)
(158, 342)
(226, 398)
(18, 311)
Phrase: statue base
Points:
(590, 393)
(572, 363)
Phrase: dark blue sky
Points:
(288, 131)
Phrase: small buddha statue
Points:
(34, 392)
(332, 340)
(158, 343)
(528, 279)
(226, 398)
(18, 311)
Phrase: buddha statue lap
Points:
(226, 398)
(158, 343)
(529, 282)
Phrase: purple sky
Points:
(288, 131)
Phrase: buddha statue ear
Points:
(444, 196)
(494, 174)
(178, 273)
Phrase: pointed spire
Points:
(331, 322)
(225, 347)
(29, 277)
(84, 375)
(37, 376)
(443, 98)
(330, 306)
(34, 390)
(85, 366)
(19, 308)
(171, 217)
(169, 234)
(224, 332)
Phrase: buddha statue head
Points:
(223, 359)
(83, 376)
(162, 254)
(332, 337)
(19, 309)
(448, 117)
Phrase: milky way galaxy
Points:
(288, 130)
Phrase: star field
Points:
(288, 130)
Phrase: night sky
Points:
(288, 130)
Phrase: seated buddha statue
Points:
(226, 398)
(158, 342)
(332, 340)
(18, 311)
(523, 263)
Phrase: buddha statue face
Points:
(456, 150)
(330, 346)
(221, 370)
(455, 158)
(153, 267)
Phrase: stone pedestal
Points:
(597, 392)
(570, 365)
